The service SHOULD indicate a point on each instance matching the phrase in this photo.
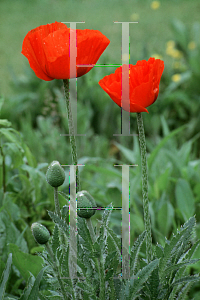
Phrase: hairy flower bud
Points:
(55, 174)
(85, 200)
(40, 233)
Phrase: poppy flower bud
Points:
(85, 200)
(55, 174)
(40, 233)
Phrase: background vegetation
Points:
(33, 117)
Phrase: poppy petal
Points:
(47, 49)
(144, 80)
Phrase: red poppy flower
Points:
(144, 79)
(47, 50)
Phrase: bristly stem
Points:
(71, 131)
(57, 209)
(147, 220)
(57, 205)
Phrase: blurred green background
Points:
(36, 116)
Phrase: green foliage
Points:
(5, 276)
(25, 262)
(32, 290)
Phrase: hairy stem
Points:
(71, 131)
(147, 221)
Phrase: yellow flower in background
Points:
(134, 17)
(170, 44)
(176, 54)
(155, 4)
(176, 77)
(176, 65)
(172, 51)
(157, 56)
(192, 45)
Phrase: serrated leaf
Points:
(103, 227)
(61, 223)
(42, 297)
(159, 251)
(153, 284)
(116, 240)
(174, 249)
(83, 231)
(28, 288)
(134, 285)
(184, 291)
(135, 252)
(186, 279)
(5, 276)
(109, 258)
(180, 265)
(106, 215)
(35, 289)
(182, 271)
(87, 288)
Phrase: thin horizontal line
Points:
(100, 208)
(104, 65)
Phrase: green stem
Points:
(71, 131)
(57, 205)
(57, 209)
(147, 220)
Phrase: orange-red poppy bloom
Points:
(47, 49)
(144, 80)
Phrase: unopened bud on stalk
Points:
(55, 174)
(40, 233)
(86, 205)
